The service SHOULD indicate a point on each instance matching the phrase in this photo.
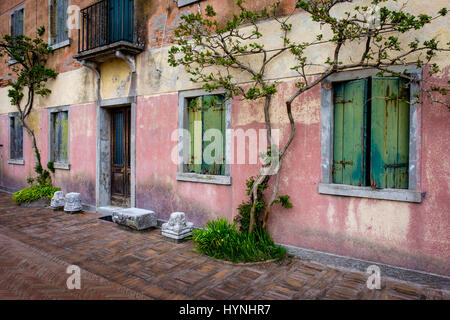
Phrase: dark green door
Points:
(120, 20)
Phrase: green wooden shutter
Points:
(390, 133)
(61, 137)
(349, 132)
(214, 118)
(18, 139)
(195, 132)
(17, 22)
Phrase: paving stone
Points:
(37, 244)
(135, 218)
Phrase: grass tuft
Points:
(33, 193)
(221, 240)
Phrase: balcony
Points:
(107, 26)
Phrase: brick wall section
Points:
(150, 16)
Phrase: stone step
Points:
(135, 218)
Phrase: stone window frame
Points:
(51, 111)
(182, 3)
(326, 186)
(60, 44)
(183, 123)
(12, 115)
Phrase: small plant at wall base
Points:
(222, 240)
(34, 193)
(29, 57)
(230, 55)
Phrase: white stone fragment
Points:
(135, 218)
(177, 227)
(73, 202)
(58, 200)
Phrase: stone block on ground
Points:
(73, 202)
(177, 227)
(58, 201)
(138, 219)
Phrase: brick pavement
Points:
(37, 245)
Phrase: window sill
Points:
(182, 3)
(60, 44)
(63, 166)
(203, 178)
(16, 161)
(367, 192)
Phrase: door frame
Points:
(103, 154)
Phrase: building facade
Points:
(111, 126)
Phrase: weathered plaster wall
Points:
(404, 234)
(80, 177)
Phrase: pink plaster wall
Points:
(404, 234)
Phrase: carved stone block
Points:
(58, 200)
(177, 227)
(138, 219)
(73, 202)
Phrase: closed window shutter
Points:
(18, 22)
(61, 137)
(62, 32)
(18, 139)
(195, 132)
(213, 118)
(390, 133)
(349, 132)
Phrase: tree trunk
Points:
(31, 134)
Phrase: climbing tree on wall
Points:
(27, 59)
(231, 54)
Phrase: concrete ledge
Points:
(16, 161)
(117, 102)
(203, 178)
(63, 166)
(368, 192)
(60, 44)
(420, 277)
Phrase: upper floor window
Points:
(371, 133)
(15, 139)
(17, 22)
(59, 31)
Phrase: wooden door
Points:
(120, 157)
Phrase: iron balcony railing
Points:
(106, 22)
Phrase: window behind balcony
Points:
(59, 31)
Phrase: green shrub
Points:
(33, 193)
(222, 240)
